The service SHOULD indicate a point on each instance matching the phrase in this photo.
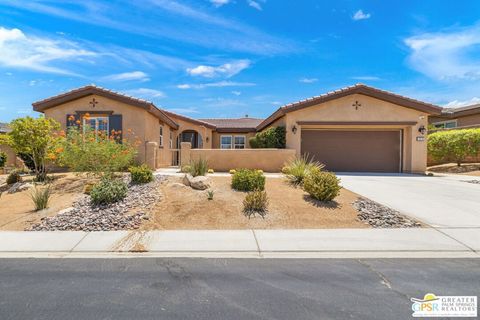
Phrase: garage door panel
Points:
(361, 151)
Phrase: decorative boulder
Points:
(19, 186)
(186, 179)
(200, 183)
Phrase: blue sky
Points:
(226, 58)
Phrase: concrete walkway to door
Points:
(446, 201)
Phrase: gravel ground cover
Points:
(380, 216)
(123, 215)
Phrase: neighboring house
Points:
(358, 128)
(464, 117)
(12, 160)
(4, 128)
(233, 133)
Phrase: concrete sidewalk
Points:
(335, 243)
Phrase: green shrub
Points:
(198, 167)
(454, 145)
(87, 188)
(108, 191)
(3, 159)
(255, 202)
(248, 180)
(273, 137)
(14, 177)
(297, 169)
(232, 171)
(322, 185)
(186, 169)
(210, 194)
(141, 174)
(40, 197)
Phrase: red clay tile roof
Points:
(234, 124)
(81, 92)
(185, 118)
(355, 89)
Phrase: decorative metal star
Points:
(93, 102)
(356, 105)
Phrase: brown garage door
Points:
(354, 151)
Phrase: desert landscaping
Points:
(167, 203)
(470, 169)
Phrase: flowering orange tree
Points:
(98, 152)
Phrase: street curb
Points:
(248, 255)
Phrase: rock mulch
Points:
(380, 216)
(472, 181)
(19, 186)
(124, 215)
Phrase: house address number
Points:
(420, 138)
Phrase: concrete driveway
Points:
(442, 201)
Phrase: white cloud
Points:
(219, 3)
(366, 78)
(146, 93)
(184, 110)
(447, 55)
(237, 93)
(128, 76)
(227, 70)
(222, 102)
(254, 4)
(19, 50)
(360, 15)
(458, 104)
(164, 19)
(219, 84)
(308, 80)
(24, 111)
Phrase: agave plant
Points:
(297, 169)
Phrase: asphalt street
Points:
(163, 288)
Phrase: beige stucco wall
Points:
(143, 124)
(164, 154)
(12, 160)
(268, 160)
(371, 109)
(202, 130)
(216, 138)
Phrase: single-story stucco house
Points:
(357, 128)
(463, 117)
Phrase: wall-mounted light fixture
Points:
(422, 129)
(207, 139)
(294, 129)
